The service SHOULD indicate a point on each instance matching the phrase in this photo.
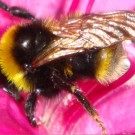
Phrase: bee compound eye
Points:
(25, 44)
(28, 68)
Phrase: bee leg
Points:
(80, 97)
(88, 107)
(9, 88)
(17, 11)
(13, 91)
(30, 106)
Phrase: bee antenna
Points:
(88, 107)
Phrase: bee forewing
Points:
(88, 33)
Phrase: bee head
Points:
(30, 40)
(18, 47)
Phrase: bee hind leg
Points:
(88, 107)
(57, 78)
(17, 11)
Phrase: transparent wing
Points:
(88, 33)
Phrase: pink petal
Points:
(109, 5)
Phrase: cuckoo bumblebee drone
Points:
(44, 57)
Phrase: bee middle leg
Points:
(17, 11)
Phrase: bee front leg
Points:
(17, 11)
(9, 88)
(30, 107)
(13, 91)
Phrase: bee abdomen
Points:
(111, 64)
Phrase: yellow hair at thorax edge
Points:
(10, 68)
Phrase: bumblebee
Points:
(46, 57)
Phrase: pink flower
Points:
(64, 115)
